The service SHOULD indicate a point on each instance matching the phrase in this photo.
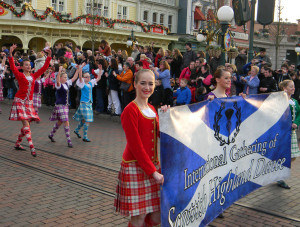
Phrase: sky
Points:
(291, 10)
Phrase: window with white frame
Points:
(58, 5)
(106, 8)
(100, 7)
(154, 18)
(161, 19)
(122, 12)
(170, 19)
(145, 16)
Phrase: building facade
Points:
(116, 19)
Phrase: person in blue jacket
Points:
(183, 94)
(251, 82)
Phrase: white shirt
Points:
(81, 85)
(149, 112)
(66, 85)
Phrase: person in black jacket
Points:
(113, 86)
(240, 61)
(268, 83)
(176, 64)
(157, 98)
(101, 97)
(282, 74)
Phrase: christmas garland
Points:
(60, 17)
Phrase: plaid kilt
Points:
(84, 112)
(23, 110)
(294, 148)
(36, 99)
(136, 192)
(60, 113)
(1, 95)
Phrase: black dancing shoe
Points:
(86, 140)
(70, 145)
(51, 138)
(77, 134)
(33, 153)
(20, 148)
(221, 215)
(282, 184)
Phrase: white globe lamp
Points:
(200, 38)
(225, 14)
(129, 42)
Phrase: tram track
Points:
(107, 193)
(65, 156)
(63, 178)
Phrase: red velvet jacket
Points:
(26, 87)
(141, 134)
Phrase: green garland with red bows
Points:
(60, 17)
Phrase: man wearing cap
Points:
(263, 58)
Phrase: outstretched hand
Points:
(48, 51)
(12, 48)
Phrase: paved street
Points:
(75, 186)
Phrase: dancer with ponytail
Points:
(289, 87)
(84, 113)
(22, 108)
(138, 189)
(61, 109)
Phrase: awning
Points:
(198, 15)
(210, 14)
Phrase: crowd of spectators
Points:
(180, 78)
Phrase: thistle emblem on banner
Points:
(228, 113)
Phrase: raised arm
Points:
(76, 74)
(80, 72)
(45, 66)
(58, 76)
(12, 65)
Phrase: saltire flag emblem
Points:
(216, 152)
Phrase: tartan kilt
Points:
(23, 110)
(60, 113)
(36, 99)
(84, 112)
(294, 148)
(1, 95)
(136, 192)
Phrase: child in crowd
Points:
(37, 93)
(84, 113)
(9, 82)
(289, 87)
(157, 98)
(61, 109)
(183, 94)
(3, 68)
(146, 61)
(200, 94)
(193, 91)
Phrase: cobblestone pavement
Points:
(75, 186)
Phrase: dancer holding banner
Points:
(222, 81)
(139, 180)
(289, 87)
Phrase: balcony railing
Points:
(167, 2)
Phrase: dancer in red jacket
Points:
(138, 189)
(22, 108)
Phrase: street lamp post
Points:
(297, 50)
(131, 39)
(225, 15)
(251, 52)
